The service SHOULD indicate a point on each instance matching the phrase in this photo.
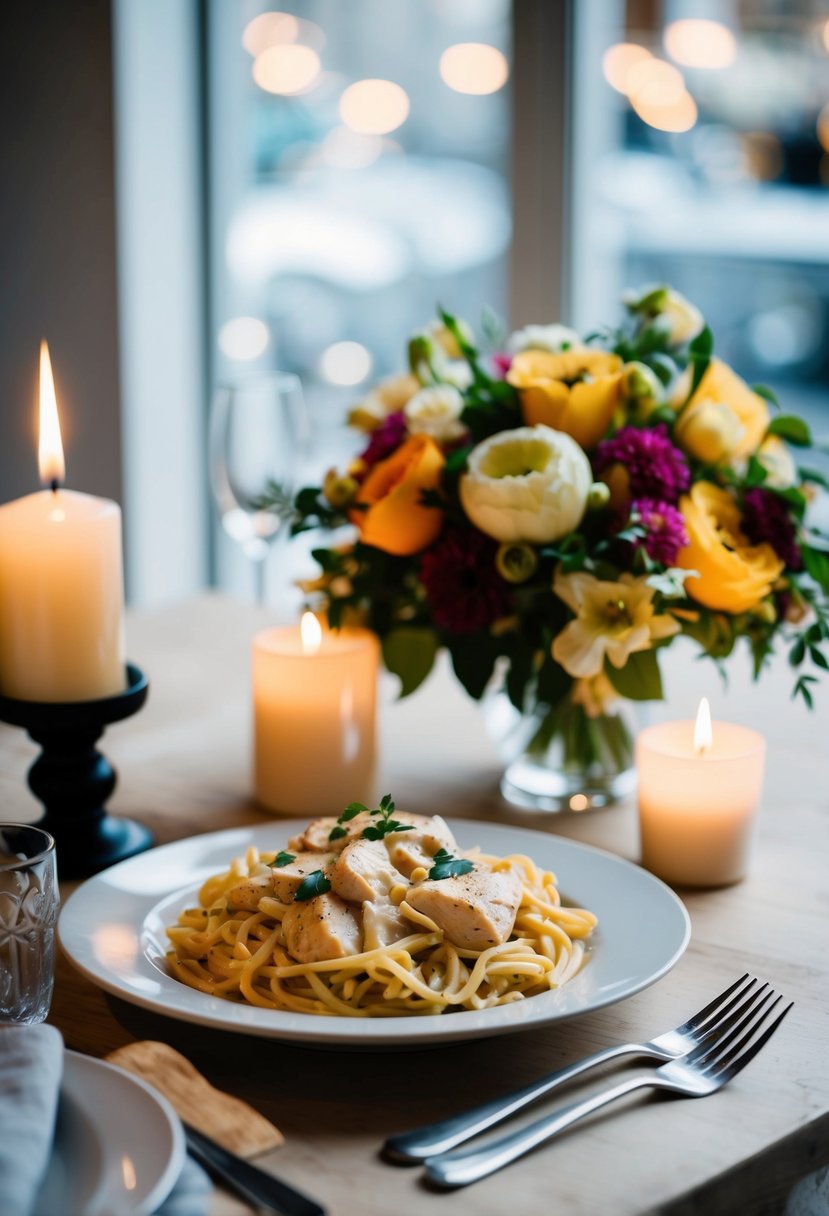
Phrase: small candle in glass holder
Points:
(699, 789)
(314, 705)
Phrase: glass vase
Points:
(561, 757)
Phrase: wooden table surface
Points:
(183, 765)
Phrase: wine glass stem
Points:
(259, 580)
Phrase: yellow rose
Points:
(724, 420)
(576, 391)
(733, 574)
(393, 518)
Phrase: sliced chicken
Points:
(315, 838)
(408, 850)
(475, 910)
(384, 924)
(281, 883)
(363, 871)
(321, 928)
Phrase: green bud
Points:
(649, 302)
(339, 489)
(421, 357)
(599, 496)
(516, 562)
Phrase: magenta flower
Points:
(464, 590)
(665, 532)
(655, 467)
(386, 439)
(501, 363)
(766, 519)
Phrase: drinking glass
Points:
(29, 905)
(258, 442)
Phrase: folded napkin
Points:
(31, 1066)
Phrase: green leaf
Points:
(801, 688)
(756, 473)
(762, 390)
(817, 565)
(447, 866)
(283, 858)
(553, 682)
(312, 885)
(409, 653)
(473, 658)
(699, 356)
(352, 811)
(791, 428)
(639, 679)
(337, 833)
(815, 476)
(663, 413)
(385, 827)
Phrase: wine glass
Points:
(258, 441)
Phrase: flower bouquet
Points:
(554, 510)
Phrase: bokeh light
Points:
(675, 116)
(698, 43)
(286, 68)
(346, 363)
(374, 107)
(619, 60)
(653, 82)
(268, 29)
(474, 67)
(243, 338)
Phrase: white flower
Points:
(435, 411)
(530, 484)
(613, 619)
(553, 338)
(387, 397)
(777, 460)
(684, 320)
(456, 372)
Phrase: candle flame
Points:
(310, 631)
(50, 448)
(703, 734)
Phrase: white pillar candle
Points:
(314, 704)
(61, 583)
(698, 799)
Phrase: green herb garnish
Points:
(447, 866)
(313, 884)
(283, 859)
(384, 826)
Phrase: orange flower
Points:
(734, 575)
(576, 391)
(394, 519)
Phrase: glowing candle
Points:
(314, 705)
(61, 582)
(699, 788)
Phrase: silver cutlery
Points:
(703, 1071)
(436, 1138)
(265, 1192)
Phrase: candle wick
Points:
(53, 485)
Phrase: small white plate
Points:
(113, 930)
(119, 1145)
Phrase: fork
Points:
(700, 1073)
(436, 1138)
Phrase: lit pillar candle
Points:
(699, 788)
(314, 704)
(61, 582)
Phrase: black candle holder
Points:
(73, 779)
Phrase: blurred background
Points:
(204, 189)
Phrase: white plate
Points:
(112, 928)
(119, 1145)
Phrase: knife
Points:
(248, 1181)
